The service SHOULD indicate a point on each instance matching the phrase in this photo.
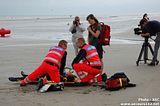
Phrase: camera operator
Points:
(77, 30)
(151, 28)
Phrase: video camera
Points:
(137, 31)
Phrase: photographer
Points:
(77, 30)
(151, 28)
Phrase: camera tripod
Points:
(144, 51)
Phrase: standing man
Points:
(152, 28)
(89, 70)
(53, 65)
(77, 30)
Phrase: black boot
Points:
(104, 77)
(151, 64)
(157, 62)
(40, 84)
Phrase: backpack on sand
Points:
(118, 81)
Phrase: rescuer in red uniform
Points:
(89, 70)
(53, 65)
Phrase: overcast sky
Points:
(77, 7)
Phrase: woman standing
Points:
(94, 32)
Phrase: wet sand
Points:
(26, 55)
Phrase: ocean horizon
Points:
(57, 27)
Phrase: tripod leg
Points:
(140, 55)
(146, 53)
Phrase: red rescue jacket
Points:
(92, 57)
(55, 55)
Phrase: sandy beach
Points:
(26, 54)
(118, 58)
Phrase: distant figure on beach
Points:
(152, 28)
(77, 30)
(89, 70)
(145, 16)
(94, 32)
(53, 65)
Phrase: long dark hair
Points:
(145, 15)
(93, 27)
(91, 16)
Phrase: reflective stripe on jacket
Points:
(81, 74)
(92, 57)
(55, 55)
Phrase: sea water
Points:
(57, 27)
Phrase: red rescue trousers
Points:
(43, 69)
(81, 70)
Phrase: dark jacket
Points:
(152, 27)
(81, 55)
(63, 64)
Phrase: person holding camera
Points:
(77, 30)
(151, 28)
